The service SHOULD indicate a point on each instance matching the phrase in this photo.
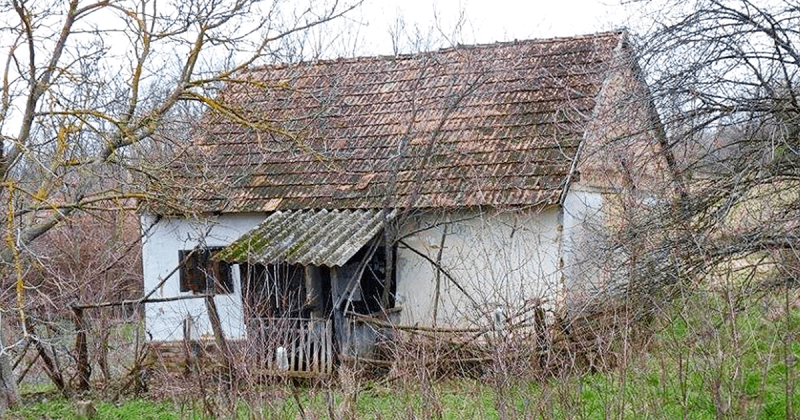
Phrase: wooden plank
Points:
(302, 345)
(328, 348)
(322, 340)
(287, 342)
(291, 374)
(316, 348)
(268, 334)
(260, 347)
(320, 330)
(308, 343)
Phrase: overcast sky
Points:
(488, 21)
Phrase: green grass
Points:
(128, 330)
(37, 388)
(129, 410)
(591, 397)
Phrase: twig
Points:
(443, 271)
(139, 301)
(21, 355)
(410, 328)
(27, 368)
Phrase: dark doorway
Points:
(274, 290)
(372, 282)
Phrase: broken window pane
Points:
(201, 274)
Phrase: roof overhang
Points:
(308, 237)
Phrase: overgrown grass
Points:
(712, 355)
(60, 408)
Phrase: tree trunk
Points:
(9, 394)
(219, 336)
(50, 367)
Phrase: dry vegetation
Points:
(718, 352)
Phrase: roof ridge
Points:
(409, 56)
(535, 40)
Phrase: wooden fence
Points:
(294, 346)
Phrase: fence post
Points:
(219, 336)
(82, 350)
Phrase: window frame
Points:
(199, 268)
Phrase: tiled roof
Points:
(491, 124)
(307, 237)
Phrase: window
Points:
(202, 274)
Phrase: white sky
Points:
(489, 21)
(366, 30)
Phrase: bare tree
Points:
(87, 86)
(724, 76)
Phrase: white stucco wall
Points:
(160, 256)
(502, 260)
(586, 248)
(506, 260)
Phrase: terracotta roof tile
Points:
(482, 125)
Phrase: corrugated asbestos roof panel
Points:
(477, 125)
(308, 237)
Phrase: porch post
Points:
(338, 285)
(314, 291)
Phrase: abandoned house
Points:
(449, 188)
